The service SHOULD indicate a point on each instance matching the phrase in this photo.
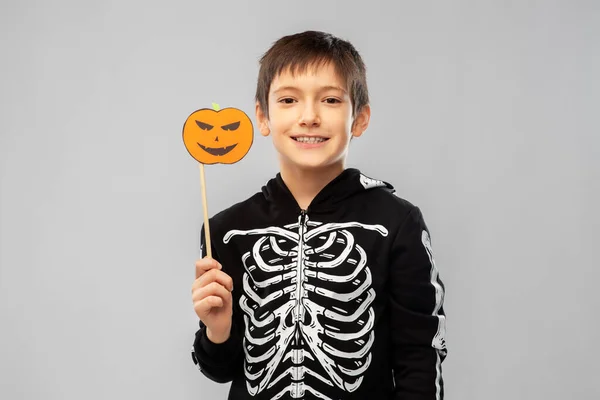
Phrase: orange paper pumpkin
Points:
(215, 136)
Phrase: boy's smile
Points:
(310, 118)
(310, 142)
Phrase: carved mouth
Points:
(217, 151)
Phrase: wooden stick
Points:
(205, 206)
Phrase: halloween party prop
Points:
(216, 136)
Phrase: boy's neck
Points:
(305, 184)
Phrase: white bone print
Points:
(288, 273)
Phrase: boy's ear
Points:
(361, 121)
(263, 121)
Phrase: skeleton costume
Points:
(338, 301)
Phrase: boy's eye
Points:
(332, 101)
(286, 101)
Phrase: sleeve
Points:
(418, 321)
(218, 362)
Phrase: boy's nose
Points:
(309, 117)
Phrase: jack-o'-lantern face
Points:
(215, 136)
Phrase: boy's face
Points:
(310, 119)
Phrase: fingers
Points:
(214, 301)
(204, 306)
(214, 275)
(206, 264)
(213, 289)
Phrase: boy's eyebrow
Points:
(323, 88)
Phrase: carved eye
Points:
(231, 127)
(203, 126)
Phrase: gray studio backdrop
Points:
(485, 114)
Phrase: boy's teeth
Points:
(309, 139)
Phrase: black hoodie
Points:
(338, 301)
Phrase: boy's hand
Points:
(211, 294)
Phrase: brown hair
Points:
(313, 48)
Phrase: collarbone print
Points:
(307, 306)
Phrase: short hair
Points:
(313, 48)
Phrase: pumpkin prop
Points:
(216, 136)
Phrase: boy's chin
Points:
(316, 164)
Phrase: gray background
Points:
(484, 115)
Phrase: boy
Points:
(336, 291)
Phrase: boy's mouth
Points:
(309, 139)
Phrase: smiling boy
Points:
(337, 295)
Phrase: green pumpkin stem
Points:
(216, 107)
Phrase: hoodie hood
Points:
(349, 183)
